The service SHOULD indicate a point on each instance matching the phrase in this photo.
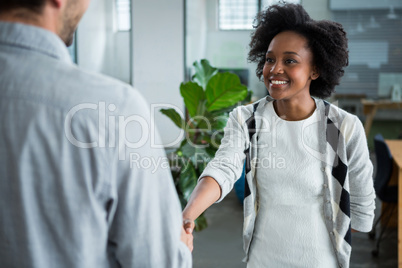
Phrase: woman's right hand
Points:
(187, 239)
(188, 225)
(204, 195)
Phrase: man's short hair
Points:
(34, 5)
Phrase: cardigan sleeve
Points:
(360, 171)
(227, 165)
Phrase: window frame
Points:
(260, 5)
(118, 13)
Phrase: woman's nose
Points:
(277, 68)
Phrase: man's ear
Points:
(57, 3)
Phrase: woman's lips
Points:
(278, 83)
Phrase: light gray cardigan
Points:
(348, 185)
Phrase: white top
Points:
(290, 230)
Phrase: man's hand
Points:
(204, 195)
(187, 233)
(187, 239)
(188, 226)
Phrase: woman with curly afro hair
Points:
(308, 174)
(326, 40)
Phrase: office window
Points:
(375, 39)
(123, 15)
(266, 3)
(240, 14)
(237, 14)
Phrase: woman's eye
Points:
(269, 60)
(290, 61)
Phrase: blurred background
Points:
(152, 45)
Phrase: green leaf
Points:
(198, 154)
(188, 180)
(175, 117)
(201, 167)
(200, 158)
(214, 141)
(193, 96)
(219, 122)
(201, 109)
(248, 98)
(228, 109)
(200, 223)
(187, 149)
(203, 72)
(204, 123)
(211, 122)
(190, 150)
(224, 90)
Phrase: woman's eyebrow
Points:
(286, 52)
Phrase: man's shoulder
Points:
(90, 81)
(86, 86)
(61, 86)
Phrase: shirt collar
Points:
(34, 38)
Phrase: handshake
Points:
(187, 233)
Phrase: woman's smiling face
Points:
(288, 68)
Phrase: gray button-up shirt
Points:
(82, 180)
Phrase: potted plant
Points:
(209, 97)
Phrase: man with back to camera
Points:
(70, 194)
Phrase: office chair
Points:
(386, 193)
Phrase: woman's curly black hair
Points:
(326, 39)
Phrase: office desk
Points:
(395, 147)
(370, 108)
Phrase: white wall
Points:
(92, 36)
(229, 49)
(196, 31)
(158, 57)
(158, 52)
(99, 47)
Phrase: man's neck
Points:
(25, 16)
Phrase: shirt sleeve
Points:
(227, 165)
(360, 171)
(145, 213)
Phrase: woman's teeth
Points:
(276, 82)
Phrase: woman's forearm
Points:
(204, 195)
